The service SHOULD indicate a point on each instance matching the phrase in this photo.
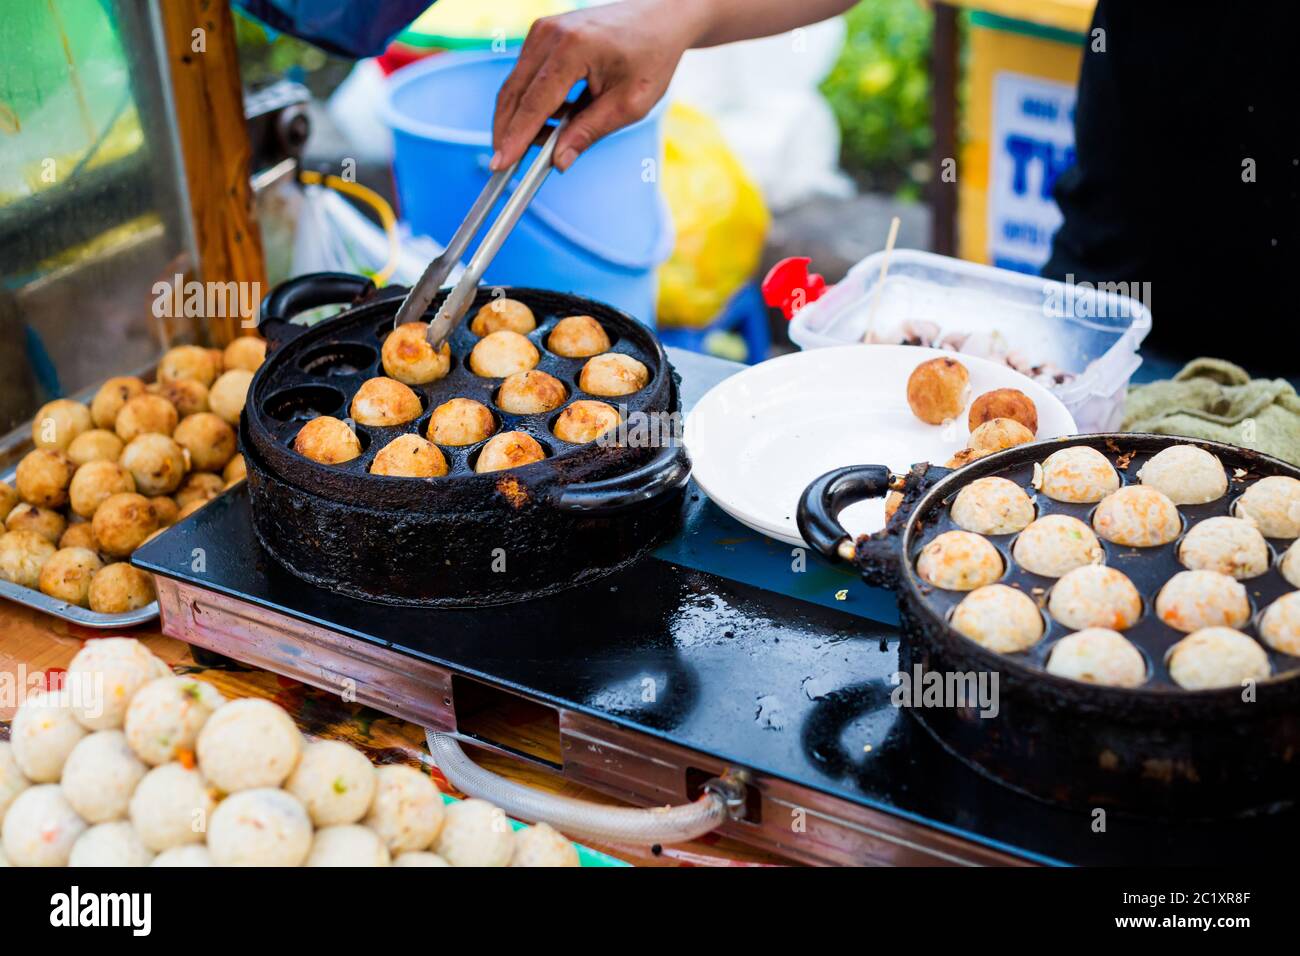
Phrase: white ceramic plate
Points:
(759, 438)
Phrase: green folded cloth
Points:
(1216, 400)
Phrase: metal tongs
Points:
(457, 302)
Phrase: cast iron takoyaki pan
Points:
(465, 538)
(1157, 749)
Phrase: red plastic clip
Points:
(789, 285)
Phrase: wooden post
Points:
(204, 67)
(945, 61)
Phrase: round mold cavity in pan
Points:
(302, 403)
(338, 359)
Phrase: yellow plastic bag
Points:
(719, 216)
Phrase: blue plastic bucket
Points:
(600, 230)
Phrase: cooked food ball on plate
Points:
(110, 844)
(347, 845)
(66, 576)
(409, 358)
(120, 588)
(248, 744)
(166, 510)
(229, 392)
(209, 440)
(146, 414)
(43, 733)
(1217, 657)
(43, 477)
(508, 450)
(235, 471)
(407, 811)
(12, 780)
(1192, 600)
(1273, 504)
(1056, 544)
(188, 362)
(335, 782)
(327, 440)
(1004, 403)
(1095, 596)
(192, 855)
(45, 522)
(95, 483)
(502, 353)
(998, 617)
(171, 807)
(959, 561)
(41, 827)
(189, 397)
(937, 390)
(79, 535)
(997, 434)
(542, 845)
(1097, 655)
(58, 422)
(22, 556)
(382, 401)
(530, 393)
(586, 420)
(200, 487)
(8, 499)
(1231, 546)
(461, 421)
(111, 397)
(578, 336)
(247, 352)
(475, 833)
(1279, 626)
(1187, 474)
(97, 444)
(419, 858)
(1078, 474)
(100, 775)
(992, 506)
(156, 463)
(508, 314)
(260, 827)
(122, 523)
(409, 456)
(165, 716)
(105, 673)
(1137, 517)
(613, 374)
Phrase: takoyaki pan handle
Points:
(661, 476)
(295, 296)
(824, 499)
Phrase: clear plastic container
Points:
(1091, 333)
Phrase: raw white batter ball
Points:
(110, 844)
(192, 855)
(1279, 625)
(543, 845)
(43, 733)
(347, 845)
(1274, 505)
(1231, 546)
(1192, 600)
(12, 780)
(247, 744)
(335, 782)
(1137, 517)
(1000, 618)
(959, 561)
(1217, 657)
(100, 775)
(407, 811)
(1290, 564)
(1055, 544)
(166, 715)
(1078, 474)
(1095, 596)
(105, 674)
(419, 858)
(260, 827)
(1186, 474)
(41, 827)
(992, 506)
(171, 807)
(475, 834)
(1098, 656)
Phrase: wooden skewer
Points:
(884, 271)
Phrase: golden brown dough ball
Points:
(187, 396)
(210, 441)
(79, 535)
(327, 440)
(936, 390)
(409, 456)
(383, 401)
(22, 556)
(226, 399)
(188, 362)
(146, 414)
(247, 352)
(998, 434)
(585, 421)
(410, 359)
(43, 477)
(165, 509)
(156, 463)
(236, 470)
(66, 575)
(58, 422)
(95, 483)
(508, 450)
(530, 393)
(122, 523)
(8, 499)
(508, 314)
(46, 522)
(503, 353)
(613, 374)
(461, 421)
(1004, 403)
(200, 486)
(118, 588)
(98, 444)
(110, 398)
(578, 336)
